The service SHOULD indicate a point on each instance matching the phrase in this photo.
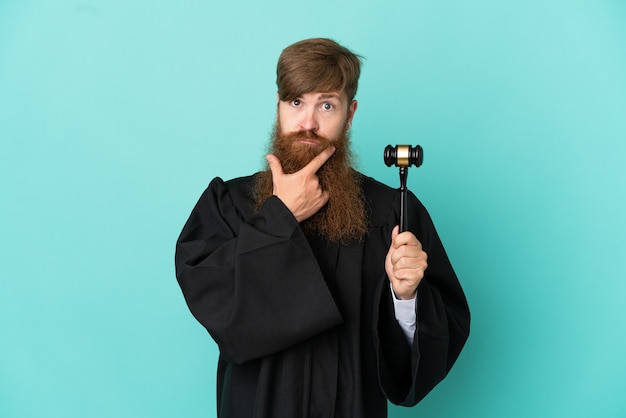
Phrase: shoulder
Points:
(236, 185)
(239, 183)
(373, 187)
(241, 187)
(236, 192)
(383, 201)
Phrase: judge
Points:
(319, 306)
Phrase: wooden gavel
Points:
(403, 156)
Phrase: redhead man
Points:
(319, 306)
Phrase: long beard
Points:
(343, 218)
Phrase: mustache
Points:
(308, 136)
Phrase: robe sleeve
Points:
(250, 278)
(407, 374)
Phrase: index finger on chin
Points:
(319, 160)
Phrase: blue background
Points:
(115, 115)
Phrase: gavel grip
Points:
(404, 172)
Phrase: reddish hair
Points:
(317, 64)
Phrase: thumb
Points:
(274, 163)
(394, 233)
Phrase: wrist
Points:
(404, 295)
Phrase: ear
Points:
(351, 110)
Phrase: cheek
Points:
(286, 120)
(334, 130)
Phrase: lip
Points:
(308, 142)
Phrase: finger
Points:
(413, 261)
(319, 160)
(409, 255)
(275, 165)
(406, 238)
(325, 197)
(394, 232)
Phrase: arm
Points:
(409, 373)
(250, 278)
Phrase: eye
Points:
(327, 106)
(296, 102)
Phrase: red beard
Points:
(343, 218)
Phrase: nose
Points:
(309, 121)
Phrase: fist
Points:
(405, 263)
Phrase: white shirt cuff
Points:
(405, 315)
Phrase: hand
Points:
(405, 263)
(301, 191)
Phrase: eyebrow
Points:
(330, 96)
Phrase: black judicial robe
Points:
(306, 328)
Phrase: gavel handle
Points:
(404, 172)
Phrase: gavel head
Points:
(404, 155)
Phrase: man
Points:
(320, 308)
